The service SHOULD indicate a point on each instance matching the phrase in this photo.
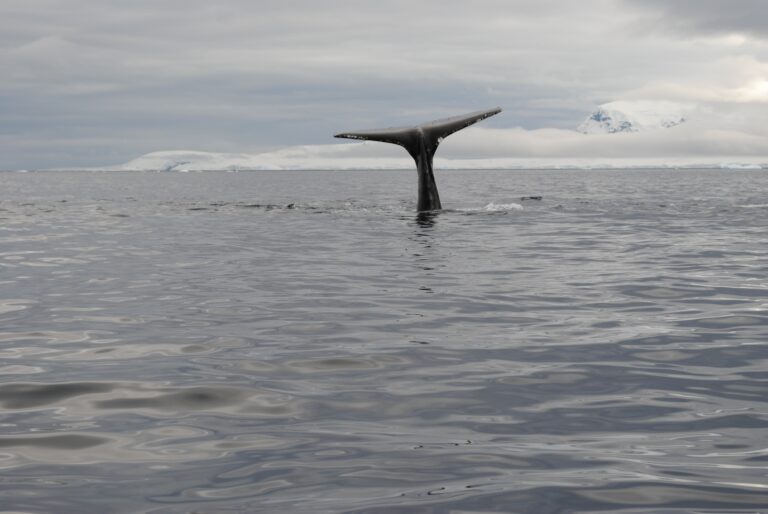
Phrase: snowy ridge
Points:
(632, 116)
(332, 156)
(350, 157)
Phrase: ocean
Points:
(304, 342)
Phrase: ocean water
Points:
(303, 342)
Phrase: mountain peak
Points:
(632, 116)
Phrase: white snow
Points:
(332, 156)
(740, 166)
(694, 144)
(633, 116)
(369, 156)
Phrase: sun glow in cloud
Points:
(755, 91)
(733, 40)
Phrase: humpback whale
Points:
(421, 142)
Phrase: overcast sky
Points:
(90, 82)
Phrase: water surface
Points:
(304, 342)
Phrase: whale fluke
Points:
(421, 142)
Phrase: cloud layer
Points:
(87, 83)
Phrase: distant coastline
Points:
(331, 157)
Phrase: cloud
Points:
(691, 140)
(707, 17)
(241, 76)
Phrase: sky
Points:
(94, 82)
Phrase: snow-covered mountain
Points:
(353, 157)
(693, 145)
(632, 116)
(318, 157)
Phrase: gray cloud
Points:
(709, 16)
(88, 83)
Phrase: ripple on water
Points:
(278, 347)
(54, 442)
(87, 398)
(726, 322)
(47, 337)
(174, 400)
(27, 395)
(135, 351)
(345, 363)
(14, 305)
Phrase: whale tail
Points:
(421, 142)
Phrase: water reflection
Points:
(425, 256)
(427, 219)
